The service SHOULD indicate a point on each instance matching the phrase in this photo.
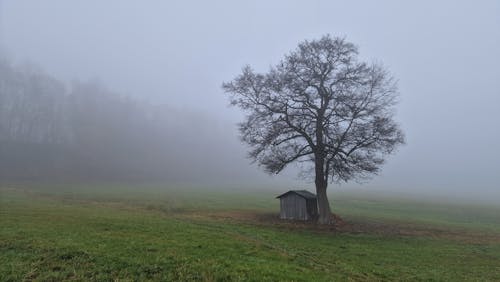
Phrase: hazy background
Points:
(445, 54)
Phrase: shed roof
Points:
(303, 193)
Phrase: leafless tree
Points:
(320, 107)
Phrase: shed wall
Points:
(312, 208)
(293, 206)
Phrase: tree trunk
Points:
(323, 204)
(321, 185)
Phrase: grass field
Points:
(114, 232)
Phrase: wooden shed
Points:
(298, 204)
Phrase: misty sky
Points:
(445, 54)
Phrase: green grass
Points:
(114, 232)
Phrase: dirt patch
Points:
(343, 225)
(351, 226)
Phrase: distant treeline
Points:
(49, 130)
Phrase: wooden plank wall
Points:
(293, 206)
(312, 208)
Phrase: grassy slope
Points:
(116, 232)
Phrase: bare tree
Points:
(322, 108)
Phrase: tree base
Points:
(333, 219)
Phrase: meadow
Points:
(161, 233)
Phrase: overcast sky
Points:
(445, 54)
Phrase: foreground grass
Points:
(122, 234)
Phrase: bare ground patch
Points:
(348, 226)
(353, 226)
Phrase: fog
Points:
(171, 58)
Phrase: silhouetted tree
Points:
(320, 107)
